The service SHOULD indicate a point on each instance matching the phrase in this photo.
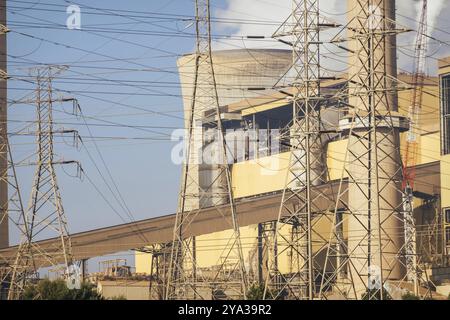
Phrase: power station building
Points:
(259, 163)
(365, 134)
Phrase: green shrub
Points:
(375, 294)
(410, 296)
(256, 292)
(47, 290)
(87, 291)
(57, 290)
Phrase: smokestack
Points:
(375, 226)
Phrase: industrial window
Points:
(445, 109)
(447, 236)
(447, 227)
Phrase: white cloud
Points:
(409, 15)
(251, 10)
(276, 11)
(435, 8)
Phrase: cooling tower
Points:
(236, 71)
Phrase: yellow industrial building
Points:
(332, 186)
(444, 121)
(264, 172)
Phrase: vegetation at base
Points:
(57, 290)
(375, 294)
(256, 292)
(410, 296)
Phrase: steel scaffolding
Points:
(370, 263)
(45, 213)
(303, 205)
(185, 280)
(12, 274)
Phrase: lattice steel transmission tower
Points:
(304, 202)
(410, 154)
(11, 205)
(186, 279)
(4, 230)
(160, 258)
(13, 211)
(370, 263)
(45, 213)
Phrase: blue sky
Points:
(140, 167)
(122, 70)
(139, 162)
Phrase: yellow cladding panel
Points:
(258, 176)
(336, 158)
(322, 231)
(142, 262)
(213, 248)
(429, 113)
(445, 181)
(268, 174)
(429, 148)
(445, 69)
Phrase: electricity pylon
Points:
(410, 155)
(4, 231)
(45, 214)
(369, 263)
(185, 280)
(160, 255)
(303, 202)
(14, 211)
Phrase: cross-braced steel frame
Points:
(13, 211)
(410, 154)
(45, 213)
(370, 263)
(295, 237)
(185, 279)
